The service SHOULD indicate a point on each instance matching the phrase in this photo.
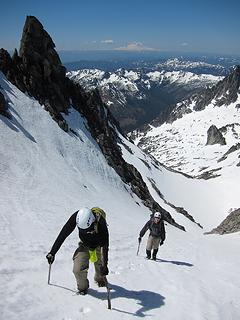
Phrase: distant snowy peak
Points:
(118, 86)
(88, 78)
(182, 77)
(134, 81)
(194, 66)
(183, 142)
(91, 78)
(183, 64)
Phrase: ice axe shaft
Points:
(138, 247)
(108, 293)
(49, 272)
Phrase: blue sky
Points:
(128, 25)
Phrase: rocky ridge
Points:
(229, 225)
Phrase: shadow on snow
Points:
(178, 263)
(147, 300)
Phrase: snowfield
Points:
(47, 174)
(181, 145)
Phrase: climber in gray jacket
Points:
(156, 236)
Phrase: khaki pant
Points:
(81, 266)
(153, 243)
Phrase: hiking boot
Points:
(101, 283)
(154, 256)
(83, 292)
(148, 252)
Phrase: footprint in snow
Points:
(84, 310)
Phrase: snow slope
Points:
(47, 174)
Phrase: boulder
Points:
(214, 136)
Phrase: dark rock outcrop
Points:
(214, 136)
(229, 225)
(210, 174)
(6, 63)
(224, 92)
(3, 106)
(231, 150)
(180, 210)
(46, 74)
(38, 71)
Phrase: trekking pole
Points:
(108, 293)
(49, 272)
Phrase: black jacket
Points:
(89, 237)
(156, 229)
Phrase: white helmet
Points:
(85, 218)
(157, 215)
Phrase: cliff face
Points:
(44, 73)
(37, 70)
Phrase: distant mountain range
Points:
(113, 60)
(137, 96)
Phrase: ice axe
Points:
(50, 259)
(108, 293)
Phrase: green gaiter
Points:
(93, 255)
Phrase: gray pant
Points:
(153, 243)
(81, 266)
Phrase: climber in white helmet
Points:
(156, 236)
(93, 246)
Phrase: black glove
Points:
(139, 239)
(161, 243)
(104, 270)
(50, 258)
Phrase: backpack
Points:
(98, 212)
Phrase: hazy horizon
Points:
(75, 55)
